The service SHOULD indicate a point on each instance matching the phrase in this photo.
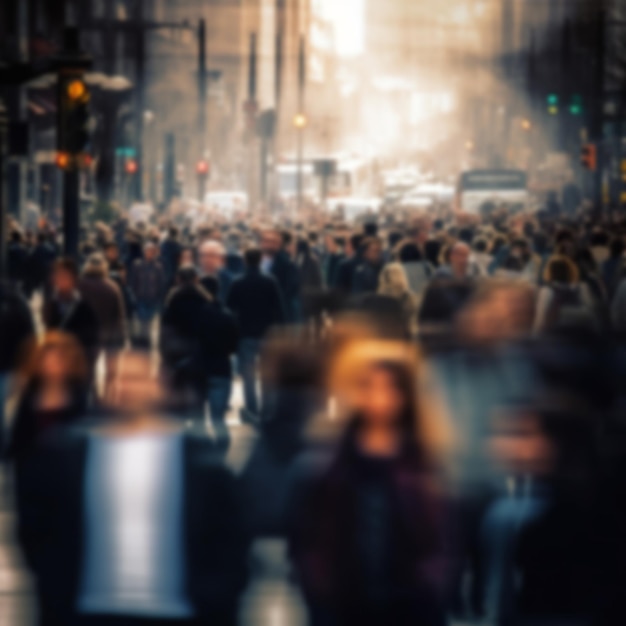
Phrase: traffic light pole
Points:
(202, 102)
(71, 211)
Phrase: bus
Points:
(479, 189)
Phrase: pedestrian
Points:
(563, 302)
(131, 519)
(278, 262)
(198, 338)
(56, 386)
(66, 310)
(367, 531)
(105, 298)
(147, 282)
(418, 270)
(211, 259)
(171, 249)
(17, 330)
(346, 268)
(366, 276)
(257, 303)
(40, 263)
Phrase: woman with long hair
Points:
(367, 533)
(56, 383)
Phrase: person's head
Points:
(372, 250)
(271, 242)
(186, 257)
(111, 252)
(409, 252)
(394, 238)
(370, 229)
(96, 265)
(303, 248)
(150, 251)
(432, 250)
(64, 277)
(393, 281)
(498, 311)
(58, 360)
(137, 393)
(187, 275)
(252, 258)
(561, 269)
(480, 245)
(211, 257)
(459, 259)
(172, 232)
(16, 237)
(375, 383)
(599, 237)
(356, 243)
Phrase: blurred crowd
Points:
(437, 404)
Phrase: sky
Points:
(347, 16)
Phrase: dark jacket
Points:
(365, 279)
(105, 298)
(344, 275)
(147, 282)
(218, 286)
(257, 303)
(17, 262)
(51, 524)
(39, 264)
(286, 273)
(170, 255)
(198, 333)
(352, 511)
(16, 327)
(78, 320)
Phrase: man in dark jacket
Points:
(147, 282)
(365, 279)
(344, 276)
(131, 521)
(67, 310)
(198, 337)
(16, 329)
(171, 250)
(211, 258)
(257, 303)
(277, 262)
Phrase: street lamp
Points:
(300, 122)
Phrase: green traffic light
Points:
(576, 109)
(553, 99)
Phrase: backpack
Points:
(566, 306)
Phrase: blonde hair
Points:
(393, 281)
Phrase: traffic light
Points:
(553, 103)
(62, 160)
(589, 157)
(131, 167)
(73, 115)
(576, 105)
(203, 168)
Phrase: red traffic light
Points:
(202, 168)
(589, 157)
(131, 166)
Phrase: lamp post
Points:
(300, 123)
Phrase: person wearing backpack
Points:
(563, 300)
